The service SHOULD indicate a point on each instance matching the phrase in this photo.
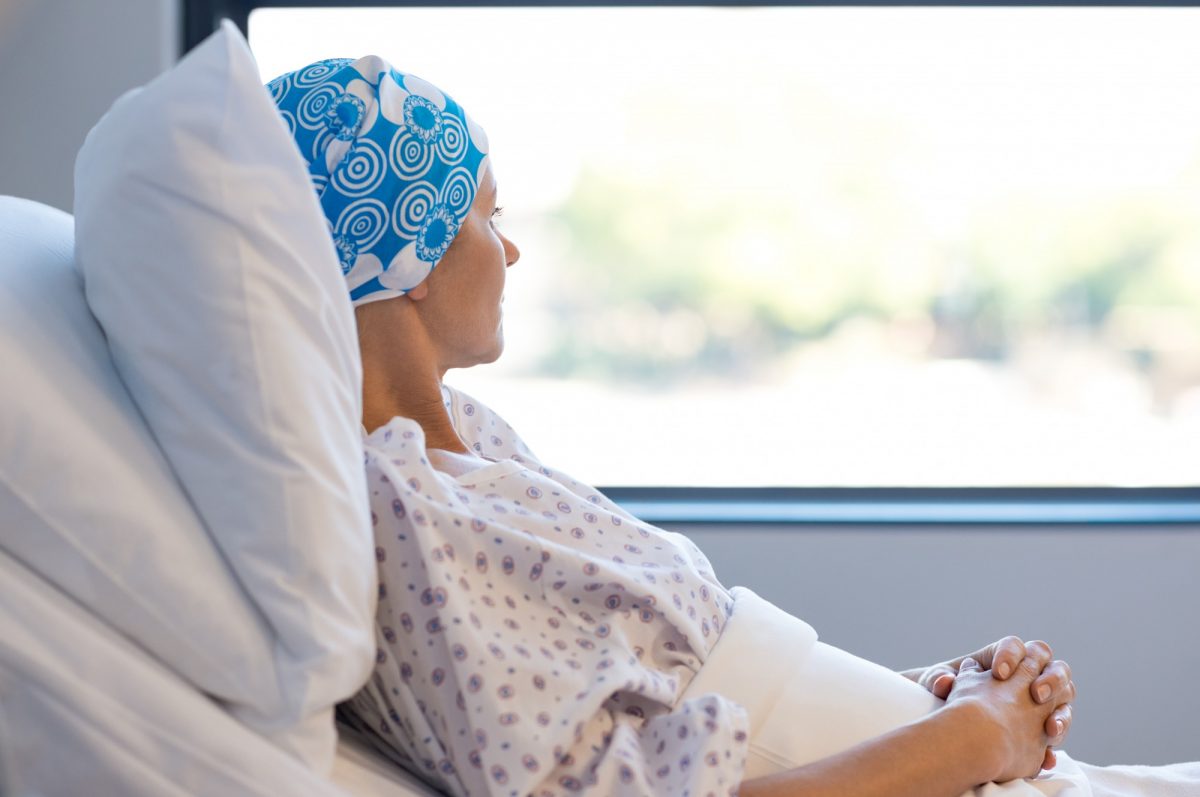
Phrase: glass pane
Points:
(830, 246)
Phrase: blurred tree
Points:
(707, 242)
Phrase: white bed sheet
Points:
(364, 773)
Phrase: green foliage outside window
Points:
(712, 251)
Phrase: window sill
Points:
(926, 506)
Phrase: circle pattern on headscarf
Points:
(312, 111)
(410, 157)
(317, 72)
(395, 164)
(452, 146)
(365, 222)
(363, 169)
(459, 191)
(280, 86)
(411, 208)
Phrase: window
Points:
(809, 246)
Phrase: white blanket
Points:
(807, 701)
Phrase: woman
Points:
(533, 637)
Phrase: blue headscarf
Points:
(395, 162)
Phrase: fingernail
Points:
(1043, 693)
(1058, 727)
(1004, 669)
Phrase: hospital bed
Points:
(109, 678)
(86, 712)
(83, 709)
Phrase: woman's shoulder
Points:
(484, 430)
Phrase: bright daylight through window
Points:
(830, 246)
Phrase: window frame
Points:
(202, 17)
(787, 506)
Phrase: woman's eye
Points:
(497, 212)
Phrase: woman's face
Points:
(461, 305)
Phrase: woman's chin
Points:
(499, 344)
(491, 354)
(487, 352)
(496, 352)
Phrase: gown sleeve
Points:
(699, 748)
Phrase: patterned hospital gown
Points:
(534, 638)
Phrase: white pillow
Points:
(210, 267)
(86, 498)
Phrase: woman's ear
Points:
(420, 292)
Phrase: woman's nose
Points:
(511, 253)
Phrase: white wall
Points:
(1121, 604)
(62, 63)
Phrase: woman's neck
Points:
(406, 383)
(427, 409)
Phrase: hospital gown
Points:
(534, 638)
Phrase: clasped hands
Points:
(1052, 685)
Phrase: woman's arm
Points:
(989, 730)
(942, 755)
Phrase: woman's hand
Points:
(1052, 686)
(991, 729)
(1001, 658)
(1015, 723)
